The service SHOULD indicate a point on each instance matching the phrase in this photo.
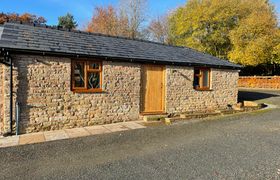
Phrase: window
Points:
(202, 78)
(86, 76)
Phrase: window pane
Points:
(205, 78)
(79, 74)
(196, 82)
(196, 78)
(93, 80)
(93, 65)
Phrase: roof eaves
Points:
(126, 59)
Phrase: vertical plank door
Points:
(153, 89)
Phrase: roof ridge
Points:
(60, 28)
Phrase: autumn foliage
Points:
(107, 21)
(125, 20)
(243, 31)
(255, 39)
(25, 18)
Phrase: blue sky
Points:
(83, 9)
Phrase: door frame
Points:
(142, 97)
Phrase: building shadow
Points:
(254, 95)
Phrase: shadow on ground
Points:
(254, 96)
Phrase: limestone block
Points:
(250, 104)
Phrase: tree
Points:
(208, 25)
(123, 21)
(205, 25)
(255, 38)
(31, 18)
(135, 11)
(25, 18)
(276, 48)
(108, 21)
(158, 30)
(67, 21)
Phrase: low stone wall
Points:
(271, 82)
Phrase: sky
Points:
(83, 9)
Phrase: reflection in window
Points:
(79, 75)
(93, 80)
(93, 65)
(86, 76)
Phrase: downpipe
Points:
(11, 96)
(17, 117)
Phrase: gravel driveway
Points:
(244, 146)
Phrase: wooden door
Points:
(153, 89)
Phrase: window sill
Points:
(203, 89)
(88, 91)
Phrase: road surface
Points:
(244, 146)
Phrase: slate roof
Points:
(22, 37)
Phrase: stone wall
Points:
(4, 98)
(5, 93)
(47, 102)
(270, 82)
(42, 86)
(182, 97)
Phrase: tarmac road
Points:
(244, 146)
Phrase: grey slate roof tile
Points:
(27, 37)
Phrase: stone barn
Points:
(63, 79)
